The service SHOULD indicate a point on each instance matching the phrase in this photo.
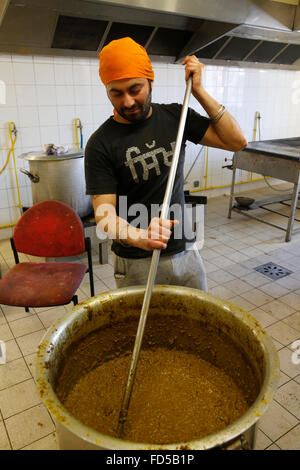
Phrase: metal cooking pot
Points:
(60, 178)
(194, 304)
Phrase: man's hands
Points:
(196, 69)
(155, 237)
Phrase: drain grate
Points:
(273, 271)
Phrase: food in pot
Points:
(191, 380)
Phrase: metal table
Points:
(278, 158)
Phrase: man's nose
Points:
(128, 101)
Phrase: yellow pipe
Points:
(206, 169)
(78, 125)
(12, 130)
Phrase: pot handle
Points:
(34, 178)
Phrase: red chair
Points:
(49, 229)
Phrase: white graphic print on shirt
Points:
(148, 160)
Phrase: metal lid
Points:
(42, 156)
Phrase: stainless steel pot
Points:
(117, 305)
(58, 177)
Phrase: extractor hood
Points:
(238, 32)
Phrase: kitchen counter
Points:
(277, 158)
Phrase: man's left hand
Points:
(195, 68)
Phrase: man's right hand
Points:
(155, 237)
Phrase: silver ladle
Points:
(154, 264)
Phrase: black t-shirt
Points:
(133, 160)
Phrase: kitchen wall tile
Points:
(22, 58)
(5, 57)
(48, 115)
(82, 74)
(66, 114)
(95, 79)
(46, 95)
(63, 74)
(62, 60)
(65, 95)
(83, 95)
(28, 116)
(98, 95)
(31, 136)
(67, 135)
(10, 96)
(23, 73)
(7, 73)
(3, 199)
(26, 95)
(44, 74)
(43, 59)
(84, 113)
(49, 135)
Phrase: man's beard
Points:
(142, 111)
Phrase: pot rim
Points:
(94, 437)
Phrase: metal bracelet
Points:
(216, 117)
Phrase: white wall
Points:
(44, 95)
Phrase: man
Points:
(129, 156)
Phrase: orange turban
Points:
(124, 58)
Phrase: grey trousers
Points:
(183, 269)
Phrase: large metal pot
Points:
(60, 178)
(116, 306)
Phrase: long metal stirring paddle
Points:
(154, 264)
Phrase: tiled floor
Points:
(231, 250)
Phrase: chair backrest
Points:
(49, 229)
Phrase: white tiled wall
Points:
(44, 95)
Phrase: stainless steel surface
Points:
(191, 303)
(59, 178)
(259, 13)
(43, 157)
(28, 28)
(278, 159)
(154, 263)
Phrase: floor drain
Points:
(273, 271)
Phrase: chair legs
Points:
(88, 247)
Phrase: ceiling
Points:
(253, 33)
